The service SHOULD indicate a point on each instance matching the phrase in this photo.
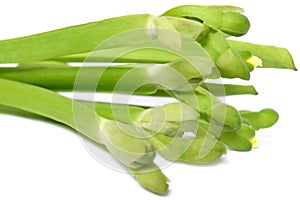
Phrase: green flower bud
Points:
(234, 24)
(236, 141)
(232, 65)
(152, 178)
(262, 119)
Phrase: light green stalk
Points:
(86, 37)
(61, 77)
(135, 152)
(271, 56)
(230, 89)
(76, 39)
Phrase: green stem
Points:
(110, 33)
(229, 89)
(42, 102)
(66, 41)
(81, 118)
(272, 57)
(63, 79)
(138, 56)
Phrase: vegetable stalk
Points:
(79, 117)
(49, 76)
(86, 37)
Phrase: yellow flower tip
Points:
(168, 180)
(254, 142)
(254, 61)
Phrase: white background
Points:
(43, 161)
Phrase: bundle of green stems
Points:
(184, 54)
